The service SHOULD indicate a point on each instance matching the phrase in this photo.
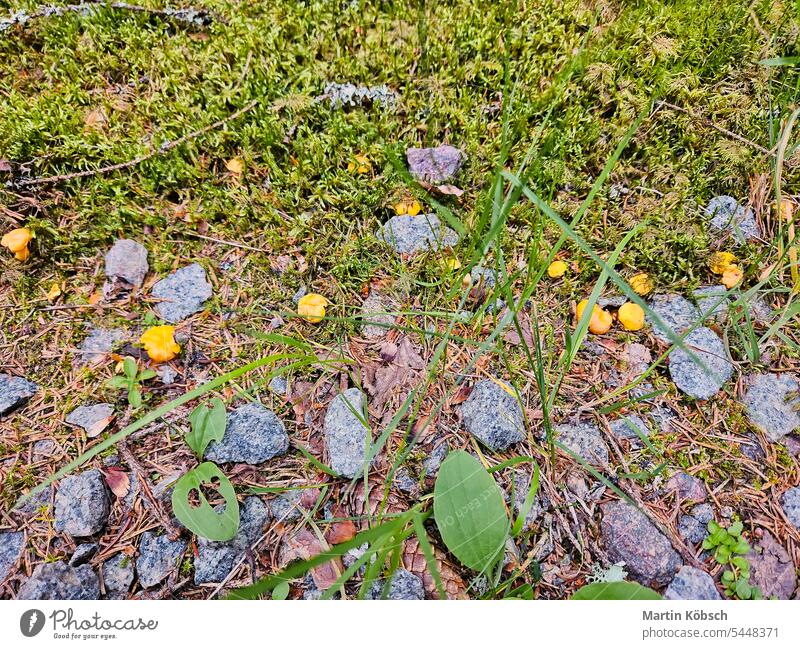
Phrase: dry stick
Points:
(164, 148)
(725, 131)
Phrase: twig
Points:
(164, 148)
(235, 244)
(722, 130)
(195, 17)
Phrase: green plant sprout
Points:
(131, 381)
(729, 548)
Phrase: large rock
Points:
(59, 580)
(675, 312)
(771, 568)
(127, 260)
(691, 583)
(11, 546)
(493, 415)
(158, 557)
(253, 435)
(182, 293)
(693, 527)
(96, 347)
(216, 559)
(402, 585)
(435, 165)
(412, 234)
(727, 215)
(346, 436)
(700, 381)
(14, 392)
(82, 504)
(629, 536)
(790, 501)
(771, 403)
(118, 576)
(585, 440)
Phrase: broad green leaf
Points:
(135, 397)
(145, 375)
(736, 528)
(470, 512)
(118, 382)
(129, 367)
(208, 425)
(203, 520)
(615, 590)
(281, 591)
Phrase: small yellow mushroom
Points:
(721, 261)
(732, 276)
(312, 307)
(631, 316)
(557, 269)
(641, 283)
(17, 242)
(410, 207)
(159, 343)
(601, 320)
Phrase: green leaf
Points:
(208, 425)
(713, 527)
(144, 375)
(722, 555)
(741, 563)
(615, 590)
(203, 520)
(135, 397)
(118, 382)
(130, 368)
(736, 528)
(470, 511)
(281, 591)
(743, 590)
(780, 61)
(727, 576)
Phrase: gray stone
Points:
(752, 447)
(675, 312)
(790, 501)
(431, 464)
(522, 484)
(686, 487)
(118, 576)
(691, 583)
(630, 427)
(11, 546)
(402, 585)
(694, 379)
(182, 293)
(771, 403)
(728, 215)
(664, 416)
(771, 568)
(91, 418)
(585, 440)
(493, 415)
(158, 557)
(253, 435)
(435, 165)
(127, 260)
(38, 503)
(82, 504)
(98, 344)
(487, 277)
(405, 483)
(348, 95)
(693, 527)
(346, 436)
(377, 320)
(629, 536)
(287, 506)
(14, 392)
(412, 234)
(59, 580)
(712, 301)
(215, 559)
(83, 553)
(299, 293)
(44, 448)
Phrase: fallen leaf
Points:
(54, 292)
(96, 119)
(304, 544)
(99, 426)
(449, 190)
(118, 481)
(235, 166)
(340, 532)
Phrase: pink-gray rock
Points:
(59, 580)
(771, 568)
(691, 583)
(692, 378)
(693, 527)
(403, 585)
(629, 536)
(182, 293)
(435, 165)
(376, 316)
(771, 403)
(493, 415)
(585, 440)
(118, 576)
(11, 546)
(686, 487)
(253, 434)
(82, 504)
(413, 234)
(14, 392)
(158, 557)
(346, 435)
(127, 260)
(91, 418)
(790, 501)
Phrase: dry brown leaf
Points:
(449, 190)
(235, 166)
(340, 532)
(96, 119)
(414, 561)
(398, 375)
(118, 481)
(304, 544)
(99, 426)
